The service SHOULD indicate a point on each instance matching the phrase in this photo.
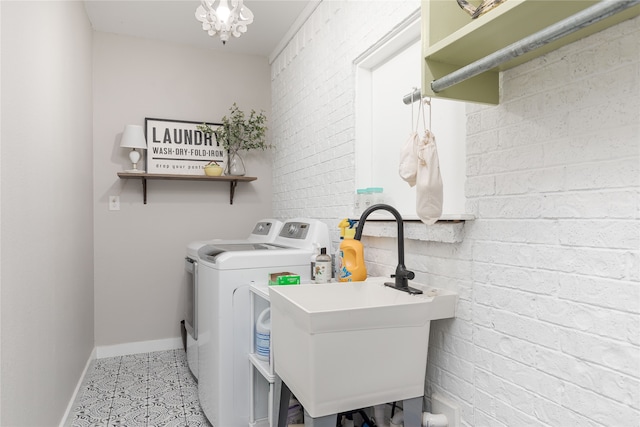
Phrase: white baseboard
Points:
(65, 421)
(138, 347)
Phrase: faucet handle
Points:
(405, 274)
(402, 276)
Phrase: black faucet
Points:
(402, 275)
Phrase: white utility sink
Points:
(344, 346)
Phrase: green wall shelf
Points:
(451, 40)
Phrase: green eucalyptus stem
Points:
(239, 132)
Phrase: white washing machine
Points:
(264, 231)
(225, 274)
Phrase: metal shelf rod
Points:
(412, 97)
(591, 15)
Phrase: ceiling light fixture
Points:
(224, 20)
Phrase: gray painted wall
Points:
(67, 94)
(139, 250)
(47, 208)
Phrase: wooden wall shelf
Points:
(232, 180)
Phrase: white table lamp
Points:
(133, 137)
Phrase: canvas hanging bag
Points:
(428, 178)
(409, 159)
(429, 181)
(408, 169)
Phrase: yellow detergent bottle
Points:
(350, 257)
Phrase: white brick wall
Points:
(312, 113)
(548, 322)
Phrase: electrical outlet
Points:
(114, 203)
(442, 405)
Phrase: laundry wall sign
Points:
(178, 147)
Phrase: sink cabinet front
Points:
(344, 346)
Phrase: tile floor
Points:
(148, 389)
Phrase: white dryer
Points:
(225, 274)
(264, 231)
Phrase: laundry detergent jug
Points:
(263, 334)
(350, 258)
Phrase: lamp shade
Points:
(133, 137)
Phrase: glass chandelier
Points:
(223, 20)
